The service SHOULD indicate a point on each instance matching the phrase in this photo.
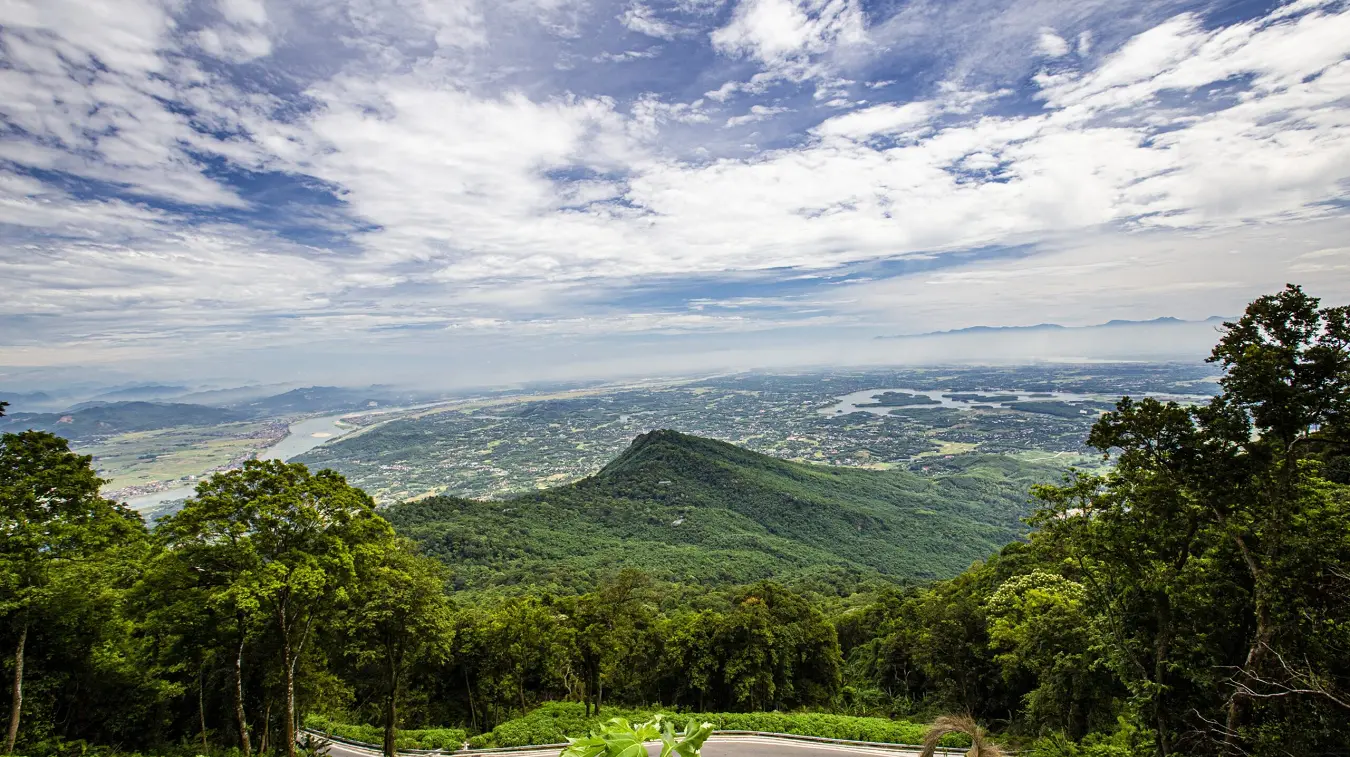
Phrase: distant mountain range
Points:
(115, 412)
(106, 419)
(1164, 321)
(685, 508)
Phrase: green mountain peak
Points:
(687, 508)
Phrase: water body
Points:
(302, 437)
(852, 403)
(305, 436)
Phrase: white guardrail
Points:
(465, 752)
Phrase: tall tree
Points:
(1287, 379)
(397, 615)
(50, 513)
(290, 538)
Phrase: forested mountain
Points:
(685, 508)
(326, 399)
(110, 418)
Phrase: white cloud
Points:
(641, 19)
(1051, 45)
(757, 113)
(878, 119)
(628, 55)
(1084, 43)
(476, 196)
(1082, 280)
(244, 12)
(783, 32)
(724, 92)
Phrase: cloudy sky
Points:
(512, 188)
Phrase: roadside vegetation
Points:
(1190, 599)
(408, 738)
(555, 722)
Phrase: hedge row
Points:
(554, 722)
(420, 738)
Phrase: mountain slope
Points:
(697, 510)
(107, 419)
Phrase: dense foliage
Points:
(1191, 599)
(554, 722)
(690, 510)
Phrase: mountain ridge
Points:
(688, 508)
(1166, 320)
(110, 418)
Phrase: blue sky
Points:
(293, 188)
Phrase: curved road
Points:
(717, 746)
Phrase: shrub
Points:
(410, 738)
(553, 723)
(1125, 741)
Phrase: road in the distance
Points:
(717, 746)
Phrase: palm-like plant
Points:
(980, 745)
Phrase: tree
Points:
(50, 514)
(1135, 537)
(1287, 378)
(187, 601)
(609, 626)
(778, 651)
(397, 615)
(1215, 531)
(1040, 626)
(288, 541)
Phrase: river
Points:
(301, 437)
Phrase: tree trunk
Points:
(17, 702)
(1161, 650)
(201, 702)
(391, 708)
(288, 663)
(1256, 656)
(240, 720)
(1256, 653)
(390, 726)
(288, 726)
(266, 743)
(473, 713)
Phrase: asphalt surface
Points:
(717, 746)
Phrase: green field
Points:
(143, 458)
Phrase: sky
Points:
(427, 191)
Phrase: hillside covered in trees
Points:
(1190, 599)
(687, 509)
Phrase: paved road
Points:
(717, 746)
